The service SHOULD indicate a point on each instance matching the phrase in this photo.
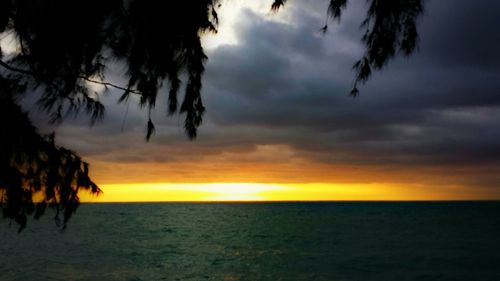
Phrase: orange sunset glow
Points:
(243, 176)
(214, 192)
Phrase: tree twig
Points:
(106, 84)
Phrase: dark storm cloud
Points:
(284, 84)
(269, 81)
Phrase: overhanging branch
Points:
(106, 84)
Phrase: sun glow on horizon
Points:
(212, 192)
(186, 192)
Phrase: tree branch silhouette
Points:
(106, 84)
(390, 27)
(65, 44)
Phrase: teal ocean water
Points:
(259, 241)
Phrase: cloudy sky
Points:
(279, 113)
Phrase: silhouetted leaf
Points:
(150, 129)
(277, 4)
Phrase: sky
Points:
(280, 124)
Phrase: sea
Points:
(259, 241)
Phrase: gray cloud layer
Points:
(438, 107)
(284, 84)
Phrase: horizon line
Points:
(296, 201)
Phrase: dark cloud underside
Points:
(284, 85)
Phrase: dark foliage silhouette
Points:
(65, 45)
(390, 26)
(33, 166)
